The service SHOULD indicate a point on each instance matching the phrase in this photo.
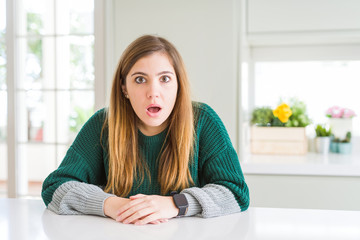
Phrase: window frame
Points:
(311, 163)
(13, 181)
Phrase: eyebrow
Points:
(160, 73)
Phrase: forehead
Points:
(157, 61)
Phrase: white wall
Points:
(204, 32)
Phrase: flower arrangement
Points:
(284, 115)
(283, 112)
(280, 130)
(339, 112)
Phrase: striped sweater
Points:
(76, 187)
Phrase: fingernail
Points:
(126, 221)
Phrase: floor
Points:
(34, 189)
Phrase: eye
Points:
(165, 79)
(140, 80)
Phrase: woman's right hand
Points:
(113, 204)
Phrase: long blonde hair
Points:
(125, 162)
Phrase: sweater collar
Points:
(156, 139)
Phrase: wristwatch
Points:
(181, 203)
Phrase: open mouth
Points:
(154, 109)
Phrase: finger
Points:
(137, 196)
(130, 211)
(153, 222)
(150, 218)
(138, 216)
(129, 205)
(163, 220)
(159, 221)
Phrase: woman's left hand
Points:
(143, 209)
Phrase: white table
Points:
(28, 219)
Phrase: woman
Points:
(153, 154)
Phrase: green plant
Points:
(262, 116)
(321, 131)
(78, 117)
(299, 117)
(347, 139)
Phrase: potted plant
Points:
(340, 120)
(342, 146)
(280, 131)
(322, 140)
(345, 144)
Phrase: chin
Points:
(156, 124)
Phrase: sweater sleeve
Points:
(76, 186)
(223, 188)
(74, 198)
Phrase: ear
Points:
(124, 88)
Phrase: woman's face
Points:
(151, 86)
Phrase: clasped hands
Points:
(141, 209)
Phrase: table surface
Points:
(29, 219)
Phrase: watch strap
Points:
(181, 203)
(182, 211)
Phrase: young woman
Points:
(153, 154)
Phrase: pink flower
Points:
(334, 112)
(339, 112)
(348, 113)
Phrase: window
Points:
(54, 83)
(3, 101)
(320, 84)
(321, 77)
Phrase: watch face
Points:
(180, 200)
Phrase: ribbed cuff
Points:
(212, 200)
(79, 198)
(95, 202)
(194, 206)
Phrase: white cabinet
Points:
(303, 22)
(266, 16)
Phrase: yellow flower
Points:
(283, 112)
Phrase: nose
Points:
(153, 90)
